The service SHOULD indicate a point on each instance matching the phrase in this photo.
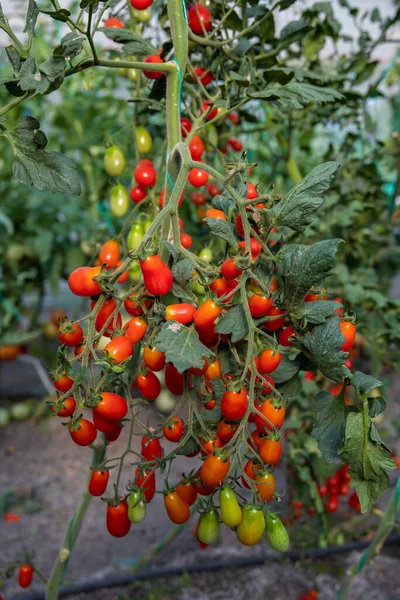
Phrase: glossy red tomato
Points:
(67, 409)
(141, 4)
(186, 126)
(83, 433)
(270, 451)
(118, 523)
(229, 270)
(70, 336)
(206, 314)
(157, 276)
(98, 482)
(150, 74)
(114, 22)
(153, 358)
(104, 316)
(284, 336)
(250, 469)
(275, 324)
(269, 360)
(186, 240)
(207, 108)
(196, 147)
(208, 335)
(138, 193)
(197, 177)
(182, 313)
(214, 470)
(173, 430)
(349, 333)
(148, 385)
(146, 481)
(187, 491)
(203, 75)
(273, 415)
(81, 281)
(25, 575)
(252, 193)
(119, 349)
(174, 380)
(133, 308)
(209, 444)
(259, 305)
(199, 18)
(111, 406)
(124, 275)
(151, 448)
(135, 329)
(109, 254)
(145, 173)
(177, 509)
(226, 430)
(234, 405)
(62, 382)
(255, 248)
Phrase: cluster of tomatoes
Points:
(336, 486)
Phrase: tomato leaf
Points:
(364, 384)
(71, 45)
(234, 323)
(183, 292)
(290, 388)
(19, 337)
(31, 16)
(322, 346)
(296, 95)
(182, 271)
(301, 267)
(317, 312)
(182, 346)
(224, 230)
(189, 447)
(224, 203)
(61, 14)
(368, 459)
(133, 43)
(285, 371)
(331, 414)
(219, 389)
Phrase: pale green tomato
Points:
(206, 254)
(165, 402)
(211, 137)
(114, 161)
(121, 71)
(142, 15)
(135, 236)
(137, 508)
(133, 75)
(147, 224)
(4, 417)
(143, 139)
(20, 411)
(119, 201)
(198, 288)
(135, 272)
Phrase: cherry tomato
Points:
(157, 276)
(112, 407)
(113, 22)
(269, 360)
(284, 336)
(276, 324)
(25, 575)
(153, 358)
(196, 147)
(174, 380)
(62, 382)
(259, 305)
(203, 75)
(236, 145)
(206, 254)
(207, 108)
(109, 254)
(151, 448)
(349, 333)
(208, 335)
(255, 248)
(332, 504)
(119, 349)
(197, 177)
(198, 198)
(250, 468)
(187, 491)
(114, 160)
(150, 74)
(107, 309)
(199, 18)
(207, 313)
(148, 385)
(252, 193)
(231, 513)
(133, 308)
(70, 336)
(67, 409)
(214, 470)
(209, 444)
(255, 440)
(118, 523)
(186, 240)
(274, 414)
(234, 405)
(234, 117)
(213, 371)
(146, 481)
(137, 507)
(252, 526)
(270, 451)
(277, 535)
(174, 429)
(141, 4)
(145, 174)
(83, 433)
(119, 201)
(177, 509)
(214, 213)
(81, 281)
(143, 139)
(98, 482)
(229, 270)
(186, 126)
(266, 485)
(137, 194)
(135, 330)
(208, 527)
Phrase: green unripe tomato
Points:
(231, 513)
(15, 252)
(143, 139)
(20, 411)
(206, 254)
(146, 225)
(276, 533)
(142, 15)
(135, 272)
(114, 161)
(252, 526)
(208, 526)
(135, 236)
(119, 201)
(211, 139)
(133, 75)
(136, 507)
(4, 417)
(121, 71)
(198, 288)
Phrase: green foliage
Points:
(182, 346)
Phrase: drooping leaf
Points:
(234, 323)
(330, 424)
(71, 46)
(296, 95)
(317, 312)
(364, 383)
(224, 230)
(61, 14)
(182, 271)
(182, 346)
(32, 14)
(133, 43)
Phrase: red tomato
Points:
(186, 126)
(114, 22)
(214, 470)
(332, 504)
(62, 382)
(250, 468)
(198, 198)
(103, 316)
(208, 445)
(145, 173)
(68, 407)
(109, 254)
(349, 333)
(141, 4)
(135, 329)
(203, 75)
(207, 335)
(276, 324)
(146, 481)
(266, 486)
(112, 407)
(213, 190)
(213, 371)
(284, 336)
(207, 108)
(196, 147)
(70, 336)
(118, 523)
(259, 305)
(207, 313)
(133, 308)
(155, 58)
(173, 430)
(153, 358)
(226, 430)
(148, 385)
(234, 117)
(83, 433)
(98, 482)
(25, 575)
(270, 451)
(138, 193)
(81, 281)
(119, 349)
(269, 360)
(229, 270)
(199, 18)
(236, 145)
(197, 177)
(234, 405)
(177, 509)
(255, 440)
(156, 275)
(151, 448)
(186, 240)
(187, 491)
(274, 414)
(252, 193)
(182, 313)
(255, 248)
(214, 213)
(174, 380)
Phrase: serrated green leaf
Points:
(182, 271)
(331, 414)
(224, 230)
(296, 95)
(364, 383)
(219, 388)
(286, 370)
(61, 14)
(224, 203)
(133, 43)
(184, 293)
(182, 346)
(32, 14)
(70, 47)
(317, 312)
(234, 323)
(301, 267)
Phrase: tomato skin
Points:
(186, 126)
(234, 405)
(174, 380)
(71, 338)
(199, 17)
(174, 432)
(214, 213)
(147, 483)
(154, 58)
(151, 448)
(196, 147)
(349, 333)
(269, 360)
(229, 270)
(105, 312)
(266, 486)
(63, 382)
(251, 191)
(187, 491)
(275, 415)
(270, 451)
(118, 523)
(109, 254)
(112, 407)
(85, 434)
(137, 507)
(251, 529)
(135, 330)
(208, 527)
(153, 358)
(186, 240)
(134, 309)
(113, 22)
(69, 405)
(213, 371)
(113, 434)
(98, 482)
(137, 193)
(157, 276)
(259, 305)
(249, 469)
(231, 513)
(81, 281)
(284, 336)
(276, 324)
(207, 335)
(208, 445)
(226, 430)
(105, 425)
(182, 313)
(119, 349)
(25, 575)
(114, 160)
(203, 75)
(141, 4)
(197, 177)
(277, 535)
(148, 385)
(207, 313)
(177, 509)
(214, 470)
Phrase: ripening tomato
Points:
(229, 270)
(226, 430)
(151, 448)
(274, 324)
(98, 482)
(274, 414)
(284, 336)
(25, 575)
(153, 358)
(119, 201)
(199, 18)
(137, 507)
(141, 4)
(177, 509)
(252, 526)
(118, 523)
(197, 177)
(62, 382)
(125, 274)
(174, 380)
(67, 408)
(148, 385)
(135, 329)
(83, 433)
(196, 147)
(270, 451)
(208, 445)
(208, 526)
(173, 430)
(207, 108)
(231, 513)
(137, 193)
(186, 240)
(266, 485)
(214, 213)
(146, 481)
(234, 405)
(116, 23)
(198, 198)
(187, 491)
(250, 469)
(203, 75)
(255, 248)
(81, 281)
(157, 277)
(269, 360)
(71, 335)
(186, 126)
(133, 308)
(114, 160)
(224, 289)
(111, 406)
(207, 313)
(213, 371)
(150, 74)
(145, 173)
(109, 254)
(119, 349)
(349, 333)
(259, 305)
(214, 470)
(106, 310)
